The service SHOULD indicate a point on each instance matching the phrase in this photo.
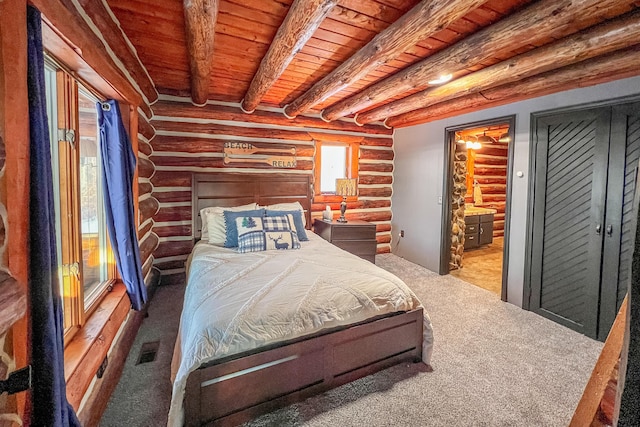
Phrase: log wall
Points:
(191, 139)
(14, 204)
(147, 204)
(490, 170)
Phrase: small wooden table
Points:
(356, 237)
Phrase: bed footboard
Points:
(238, 390)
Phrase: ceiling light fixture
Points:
(486, 138)
(504, 137)
(442, 79)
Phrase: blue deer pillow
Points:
(266, 233)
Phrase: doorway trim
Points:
(445, 227)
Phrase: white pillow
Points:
(294, 206)
(215, 215)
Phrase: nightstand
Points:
(357, 237)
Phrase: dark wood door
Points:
(618, 225)
(571, 160)
(585, 174)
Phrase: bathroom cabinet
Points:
(478, 229)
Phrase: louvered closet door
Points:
(569, 202)
(618, 239)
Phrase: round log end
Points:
(288, 114)
(326, 119)
(245, 109)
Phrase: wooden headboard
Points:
(231, 189)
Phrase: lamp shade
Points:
(346, 187)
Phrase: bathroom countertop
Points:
(475, 210)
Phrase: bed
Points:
(264, 329)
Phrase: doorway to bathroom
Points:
(475, 226)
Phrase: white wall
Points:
(418, 177)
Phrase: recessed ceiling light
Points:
(440, 80)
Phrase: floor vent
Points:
(148, 352)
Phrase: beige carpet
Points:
(495, 365)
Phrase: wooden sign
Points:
(234, 148)
(275, 161)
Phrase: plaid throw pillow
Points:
(266, 233)
(298, 220)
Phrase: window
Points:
(332, 167)
(86, 265)
(334, 160)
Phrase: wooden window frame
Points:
(76, 309)
(352, 167)
(110, 312)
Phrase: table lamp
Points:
(345, 187)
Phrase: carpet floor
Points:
(143, 394)
(494, 365)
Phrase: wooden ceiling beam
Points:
(426, 18)
(200, 22)
(596, 41)
(606, 68)
(302, 20)
(546, 16)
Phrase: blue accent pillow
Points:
(297, 220)
(232, 229)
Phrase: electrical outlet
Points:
(401, 233)
(439, 200)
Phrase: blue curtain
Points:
(50, 405)
(119, 164)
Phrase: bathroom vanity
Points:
(478, 226)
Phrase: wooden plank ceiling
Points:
(373, 59)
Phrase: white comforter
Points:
(237, 302)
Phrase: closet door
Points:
(569, 202)
(618, 239)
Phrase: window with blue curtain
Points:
(86, 267)
(49, 401)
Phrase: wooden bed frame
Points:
(233, 390)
